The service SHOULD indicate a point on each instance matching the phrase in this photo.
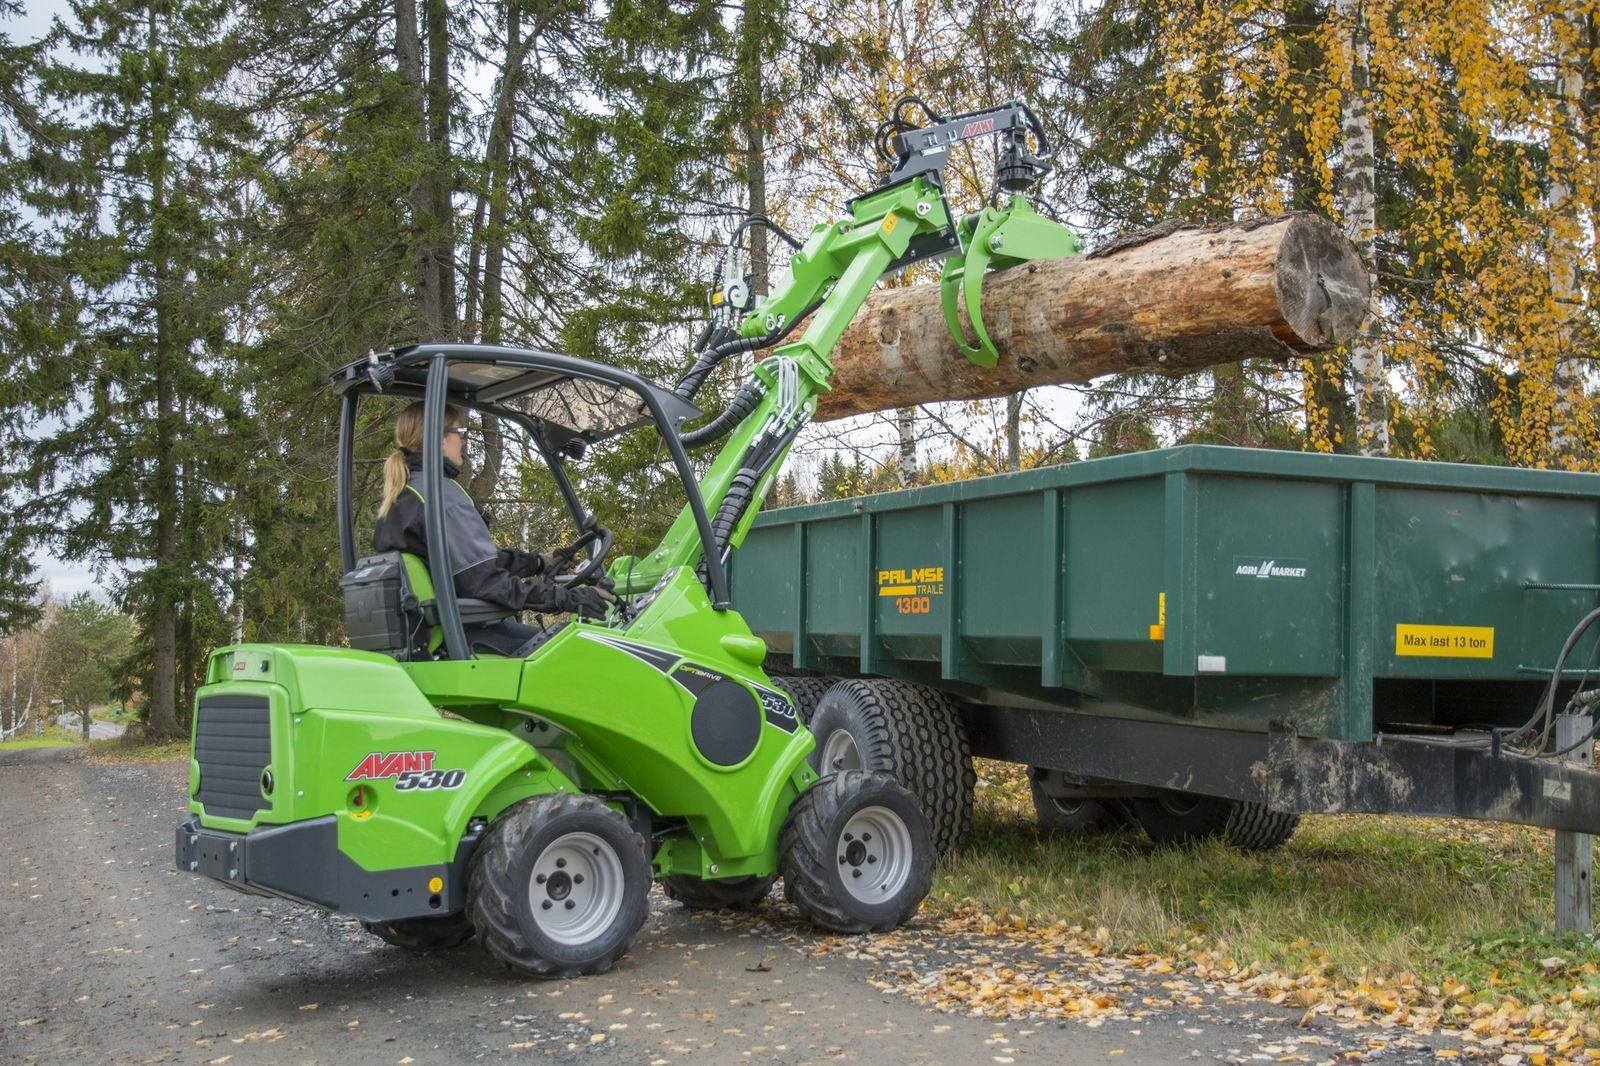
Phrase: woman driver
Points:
(516, 580)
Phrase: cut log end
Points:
(1321, 284)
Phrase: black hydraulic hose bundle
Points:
(744, 402)
(742, 490)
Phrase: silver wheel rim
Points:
(874, 854)
(839, 752)
(576, 890)
(1067, 808)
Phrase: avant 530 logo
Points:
(411, 770)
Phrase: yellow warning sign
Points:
(890, 221)
(1444, 642)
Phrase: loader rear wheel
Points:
(423, 934)
(559, 886)
(703, 894)
(806, 692)
(914, 734)
(1182, 818)
(855, 853)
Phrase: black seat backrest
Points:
(389, 607)
(381, 612)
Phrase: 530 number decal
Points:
(426, 780)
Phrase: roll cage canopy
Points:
(562, 402)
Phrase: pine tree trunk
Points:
(238, 580)
(493, 237)
(408, 57)
(1271, 288)
(8, 719)
(440, 175)
(755, 161)
(163, 623)
(1368, 383)
(1014, 431)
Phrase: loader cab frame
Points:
(563, 403)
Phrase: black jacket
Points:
(483, 571)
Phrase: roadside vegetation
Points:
(1426, 921)
(54, 737)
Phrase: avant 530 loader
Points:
(536, 812)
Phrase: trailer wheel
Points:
(423, 934)
(855, 853)
(559, 886)
(1257, 827)
(913, 733)
(702, 894)
(1074, 817)
(806, 693)
(1183, 817)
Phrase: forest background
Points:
(206, 206)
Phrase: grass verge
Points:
(54, 737)
(1364, 907)
(136, 748)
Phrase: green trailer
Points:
(1200, 637)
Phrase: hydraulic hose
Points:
(744, 402)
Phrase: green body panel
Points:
(1132, 586)
(611, 721)
(331, 709)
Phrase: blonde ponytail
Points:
(408, 438)
(395, 475)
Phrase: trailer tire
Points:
(704, 894)
(1257, 827)
(1183, 818)
(806, 692)
(423, 934)
(914, 734)
(855, 853)
(559, 886)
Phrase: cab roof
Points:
(575, 398)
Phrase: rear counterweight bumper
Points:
(302, 862)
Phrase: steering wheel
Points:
(597, 539)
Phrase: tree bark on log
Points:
(1170, 300)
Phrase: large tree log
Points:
(1170, 300)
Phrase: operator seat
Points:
(389, 607)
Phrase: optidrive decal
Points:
(1268, 568)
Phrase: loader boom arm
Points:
(905, 220)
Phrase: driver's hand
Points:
(586, 601)
(557, 561)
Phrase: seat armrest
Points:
(482, 612)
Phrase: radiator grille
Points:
(233, 744)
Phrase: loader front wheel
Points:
(423, 934)
(855, 853)
(732, 894)
(559, 886)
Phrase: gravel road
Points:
(108, 953)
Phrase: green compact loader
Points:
(437, 794)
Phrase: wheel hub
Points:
(839, 752)
(874, 854)
(577, 888)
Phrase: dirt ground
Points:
(108, 952)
